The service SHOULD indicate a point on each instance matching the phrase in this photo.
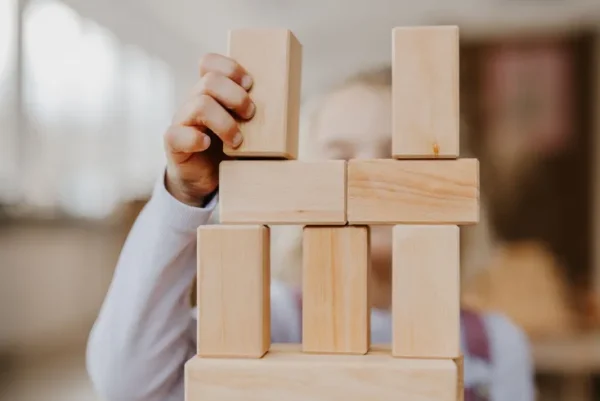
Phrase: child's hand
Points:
(192, 155)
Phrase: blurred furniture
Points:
(538, 139)
(574, 360)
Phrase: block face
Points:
(294, 376)
(413, 191)
(425, 292)
(282, 192)
(273, 57)
(335, 312)
(425, 92)
(233, 291)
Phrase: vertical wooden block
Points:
(233, 291)
(273, 57)
(425, 92)
(335, 290)
(425, 286)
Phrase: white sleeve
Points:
(144, 332)
(512, 371)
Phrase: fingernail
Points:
(237, 139)
(247, 82)
(206, 141)
(251, 110)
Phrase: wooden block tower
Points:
(425, 192)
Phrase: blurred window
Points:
(8, 107)
(95, 110)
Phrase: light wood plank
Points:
(233, 291)
(273, 57)
(295, 376)
(413, 191)
(335, 290)
(425, 292)
(425, 92)
(282, 192)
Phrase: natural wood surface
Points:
(233, 291)
(426, 292)
(413, 191)
(295, 376)
(425, 92)
(273, 57)
(336, 313)
(282, 192)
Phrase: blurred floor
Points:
(58, 273)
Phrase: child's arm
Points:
(144, 332)
(513, 371)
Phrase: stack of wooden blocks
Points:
(425, 192)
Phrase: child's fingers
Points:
(226, 92)
(225, 66)
(204, 111)
(183, 139)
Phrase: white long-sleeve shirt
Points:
(146, 329)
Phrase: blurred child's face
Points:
(355, 123)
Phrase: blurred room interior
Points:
(85, 82)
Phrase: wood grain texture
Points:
(335, 312)
(273, 57)
(233, 291)
(295, 376)
(413, 191)
(425, 92)
(282, 192)
(426, 292)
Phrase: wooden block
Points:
(460, 372)
(413, 191)
(425, 292)
(425, 92)
(233, 291)
(296, 376)
(335, 311)
(282, 192)
(273, 57)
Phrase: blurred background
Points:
(87, 88)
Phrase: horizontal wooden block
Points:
(413, 191)
(294, 376)
(282, 192)
(425, 92)
(273, 57)
(426, 292)
(335, 302)
(233, 291)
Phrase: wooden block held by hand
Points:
(273, 57)
(233, 291)
(425, 92)
(282, 192)
(413, 191)
(425, 292)
(291, 375)
(335, 298)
